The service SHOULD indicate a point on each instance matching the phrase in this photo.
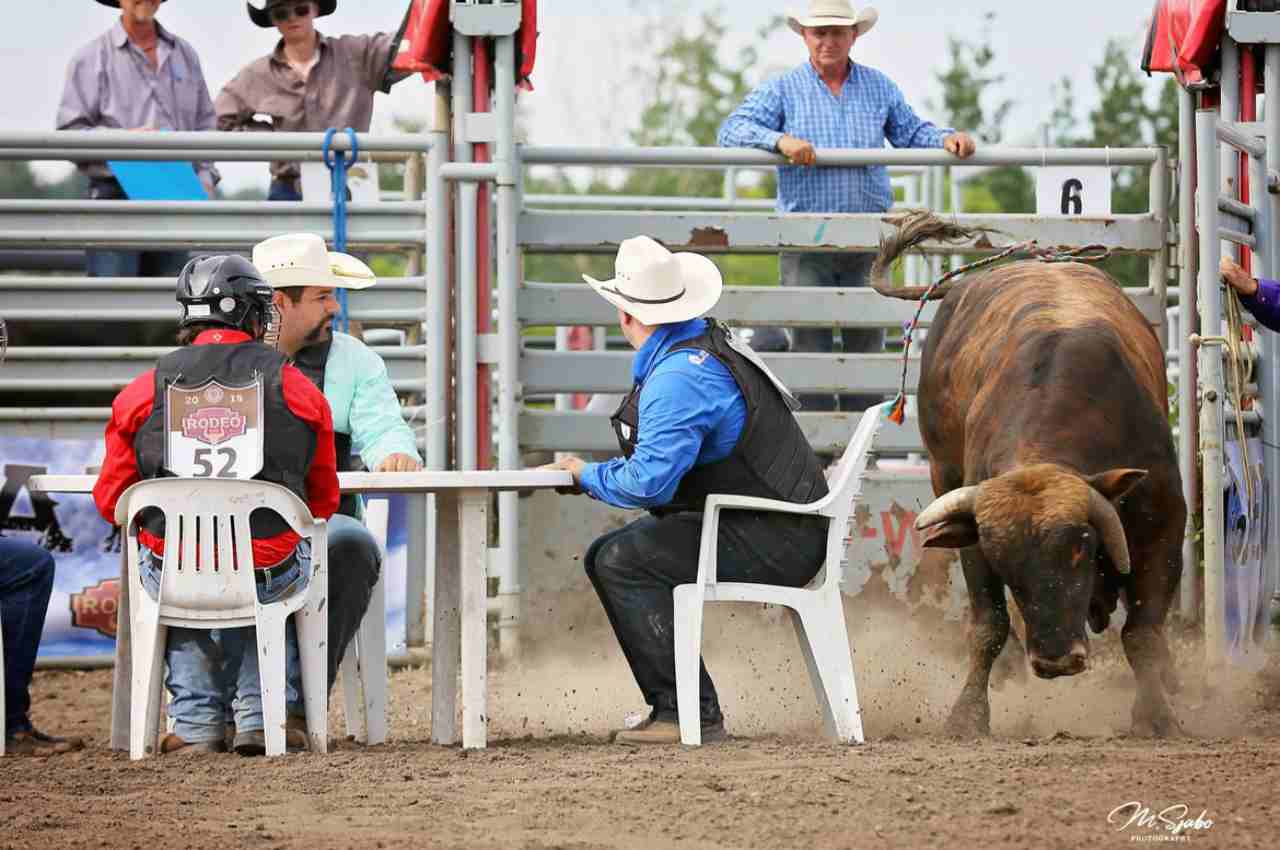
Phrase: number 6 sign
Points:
(1073, 190)
(213, 430)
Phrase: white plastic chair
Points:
(364, 666)
(205, 591)
(817, 611)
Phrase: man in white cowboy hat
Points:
(705, 416)
(309, 82)
(831, 101)
(135, 76)
(366, 413)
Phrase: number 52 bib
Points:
(213, 430)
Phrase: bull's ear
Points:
(1114, 483)
(952, 534)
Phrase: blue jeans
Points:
(26, 580)
(213, 673)
(847, 269)
(282, 191)
(128, 263)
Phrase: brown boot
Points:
(657, 730)
(36, 743)
(171, 744)
(254, 743)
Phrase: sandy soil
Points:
(1059, 762)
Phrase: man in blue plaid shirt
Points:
(832, 102)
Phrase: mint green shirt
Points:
(363, 403)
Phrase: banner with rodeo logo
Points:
(82, 610)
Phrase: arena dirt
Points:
(1058, 763)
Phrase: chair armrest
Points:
(755, 503)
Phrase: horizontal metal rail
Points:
(1238, 238)
(610, 372)
(547, 430)
(178, 142)
(1251, 145)
(200, 224)
(186, 155)
(556, 231)
(689, 156)
(577, 304)
(58, 299)
(36, 368)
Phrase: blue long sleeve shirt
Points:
(869, 111)
(691, 414)
(1265, 303)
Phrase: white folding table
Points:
(460, 592)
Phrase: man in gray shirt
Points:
(135, 76)
(309, 83)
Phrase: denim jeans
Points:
(282, 191)
(26, 581)
(354, 564)
(635, 568)
(213, 673)
(128, 263)
(847, 269)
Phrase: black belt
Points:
(265, 573)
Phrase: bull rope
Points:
(1030, 249)
(1241, 371)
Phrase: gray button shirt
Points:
(338, 92)
(111, 84)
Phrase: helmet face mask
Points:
(224, 289)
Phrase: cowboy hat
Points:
(114, 4)
(658, 287)
(262, 16)
(301, 259)
(833, 13)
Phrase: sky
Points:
(592, 55)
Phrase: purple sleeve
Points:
(1265, 303)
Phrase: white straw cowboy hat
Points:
(658, 287)
(833, 13)
(301, 259)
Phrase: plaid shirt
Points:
(869, 111)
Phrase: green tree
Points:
(1126, 116)
(970, 83)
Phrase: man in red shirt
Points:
(225, 314)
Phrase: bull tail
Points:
(914, 228)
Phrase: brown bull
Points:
(1043, 406)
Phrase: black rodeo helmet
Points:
(225, 289)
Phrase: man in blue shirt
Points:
(832, 102)
(705, 416)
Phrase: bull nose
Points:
(1070, 664)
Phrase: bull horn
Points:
(959, 502)
(1105, 518)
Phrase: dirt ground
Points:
(1058, 766)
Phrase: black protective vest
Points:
(289, 444)
(772, 459)
(311, 361)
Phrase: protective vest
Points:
(289, 444)
(772, 459)
(311, 361)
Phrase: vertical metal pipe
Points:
(1188, 323)
(465, 248)
(1158, 263)
(1269, 377)
(420, 604)
(1229, 159)
(1211, 385)
(507, 158)
(482, 82)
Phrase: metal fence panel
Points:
(543, 372)
(602, 231)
